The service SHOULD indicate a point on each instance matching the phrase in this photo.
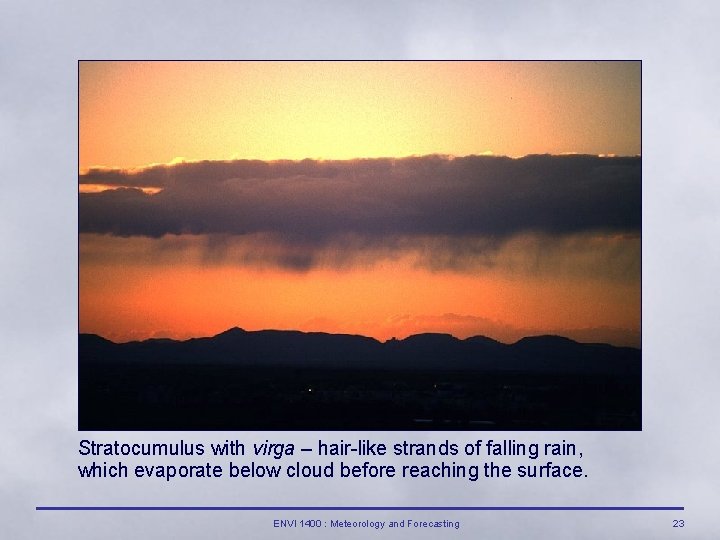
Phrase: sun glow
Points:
(133, 114)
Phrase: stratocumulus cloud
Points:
(316, 203)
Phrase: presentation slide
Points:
(359, 270)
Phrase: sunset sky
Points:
(376, 198)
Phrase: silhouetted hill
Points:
(279, 348)
(291, 380)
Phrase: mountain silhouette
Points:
(283, 348)
(278, 379)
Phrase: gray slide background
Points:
(673, 461)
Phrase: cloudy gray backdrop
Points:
(671, 462)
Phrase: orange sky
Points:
(136, 114)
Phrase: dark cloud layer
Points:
(317, 202)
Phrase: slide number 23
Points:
(677, 523)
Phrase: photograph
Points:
(359, 245)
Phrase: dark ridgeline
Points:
(288, 380)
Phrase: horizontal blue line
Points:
(342, 508)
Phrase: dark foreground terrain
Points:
(277, 380)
